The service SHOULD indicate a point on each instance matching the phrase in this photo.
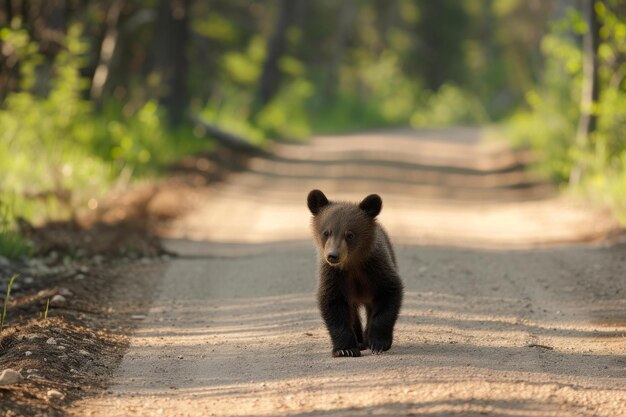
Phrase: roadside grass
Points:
(6, 302)
(12, 244)
(45, 312)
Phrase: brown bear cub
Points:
(357, 267)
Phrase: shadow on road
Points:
(494, 322)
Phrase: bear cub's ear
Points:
(316, 201)
(372, 205)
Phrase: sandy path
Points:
(234, 330)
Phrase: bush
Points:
(449, 106)
(549, 125)
(12, 244)
(57, 152)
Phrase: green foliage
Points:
(55, 144)
(12, 244)
(40, 143)
(346, 112)
(137, 140)
(449, 106)
(232, 106)
(549, 125)
(286, 115)
(343, 66)
(375, 94)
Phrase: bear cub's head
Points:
(344, 232)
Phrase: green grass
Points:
(12, 243)
(45, 313)
(6, 301)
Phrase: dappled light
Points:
(260, 351)
(313, 208)
(442, 187)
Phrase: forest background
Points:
(99, 94)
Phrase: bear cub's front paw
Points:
(379, 345)
(352, 353)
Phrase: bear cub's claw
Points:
(380, 346)
(351, 353)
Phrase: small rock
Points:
(65, 292)
(40, 270)
(51, 341)
(28, 353)
(10, 377)
(57, 300)
(4, 262)
(79, 276)
(29, 280)
(138, 317)
(30, 371)
(84, 269)
(52, 393)
(61, 347)
(83, 352)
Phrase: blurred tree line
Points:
(185, 53)
(115, 82)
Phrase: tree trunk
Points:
(8, 10)
(271, 76)
(344, 27)
(590, 86)
(101, 75)
(170, 61)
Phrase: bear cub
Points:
(357, 267)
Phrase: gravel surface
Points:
(498, 319)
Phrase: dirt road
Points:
(498, 319)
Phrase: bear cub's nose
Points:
(332, 257)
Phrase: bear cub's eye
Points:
(349, 235)
(326, 233)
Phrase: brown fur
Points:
(357, 268)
